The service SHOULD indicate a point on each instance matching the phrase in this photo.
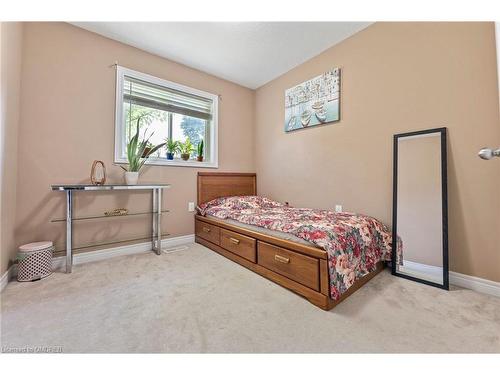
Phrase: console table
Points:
(156, 213)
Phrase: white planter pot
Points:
(131, 178)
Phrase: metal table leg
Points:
(69, 231)
(158, 221)
(154, 222)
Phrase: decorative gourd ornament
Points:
(98, 173)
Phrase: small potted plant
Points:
(137, 156)
(200, 151)
(186, 149)
(172, 148)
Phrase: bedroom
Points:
(277, 232)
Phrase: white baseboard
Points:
(458, 279)
(4, 280)
(475, 283)
(168, 245)
(7, 276)
(431, 273)
(93, 256)
(59, 263)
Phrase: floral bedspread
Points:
(354, 242)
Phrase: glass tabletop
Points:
(144, 186)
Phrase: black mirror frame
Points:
(444, 200)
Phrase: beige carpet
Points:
(198, 301)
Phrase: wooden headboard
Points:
(213, 185)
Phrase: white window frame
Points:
(120, 140)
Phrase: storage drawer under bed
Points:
(298, 267)
(239, 244)
(207, 231)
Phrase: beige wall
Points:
(11, 47)
(397, 77)
(419, 199)
(68, 94)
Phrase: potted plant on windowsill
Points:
(200, 151)
(172, 148)
(186, 149)
(137, 156)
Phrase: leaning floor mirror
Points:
(419, 219)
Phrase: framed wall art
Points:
(313, 102)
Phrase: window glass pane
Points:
(153, 124)
(184, 127)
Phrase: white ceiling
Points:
(248, 53)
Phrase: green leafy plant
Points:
(172, 146)
(200, 148)
(137, 152)
(186, 149)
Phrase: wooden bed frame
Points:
(300, 268)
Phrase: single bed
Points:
(286, 259)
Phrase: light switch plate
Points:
(190, 206)
(338, 208)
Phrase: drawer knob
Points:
(205, 229)
(234, 240)
(281, 259)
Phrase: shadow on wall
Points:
(26, 226)
(57, 202)
(456, 221)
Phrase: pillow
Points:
(238, 203)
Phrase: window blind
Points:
(150, 95)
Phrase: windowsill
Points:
(175, 163)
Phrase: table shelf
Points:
(59, 220)
(99, 244)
